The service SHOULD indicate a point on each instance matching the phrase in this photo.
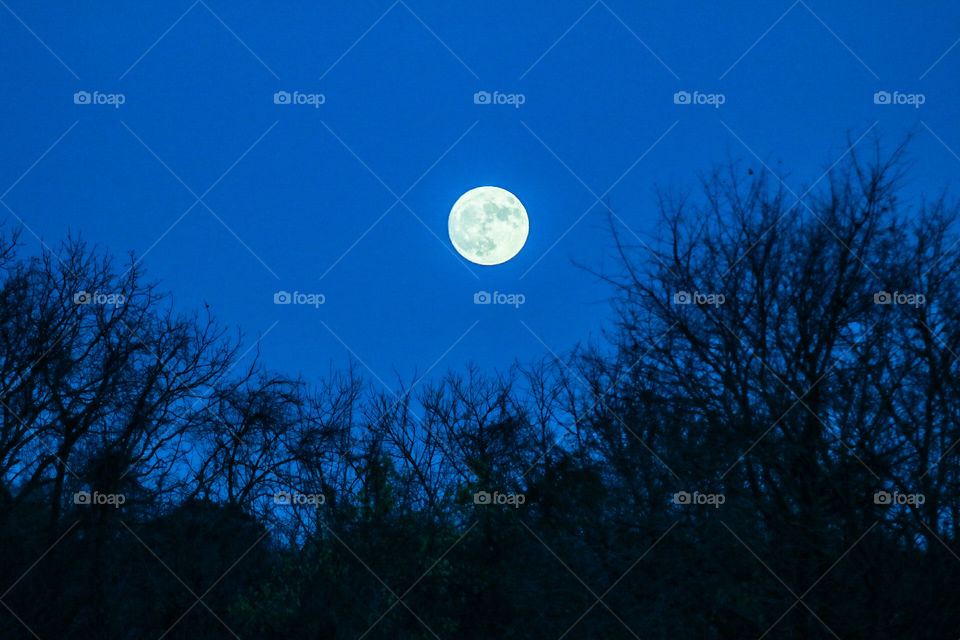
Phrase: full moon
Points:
(488, 225)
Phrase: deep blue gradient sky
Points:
(303, 198)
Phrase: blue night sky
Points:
(350, 198)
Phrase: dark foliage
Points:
(150, 488)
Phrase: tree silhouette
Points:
(764, 447)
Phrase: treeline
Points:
(766, 447)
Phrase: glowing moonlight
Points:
(488, 225)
